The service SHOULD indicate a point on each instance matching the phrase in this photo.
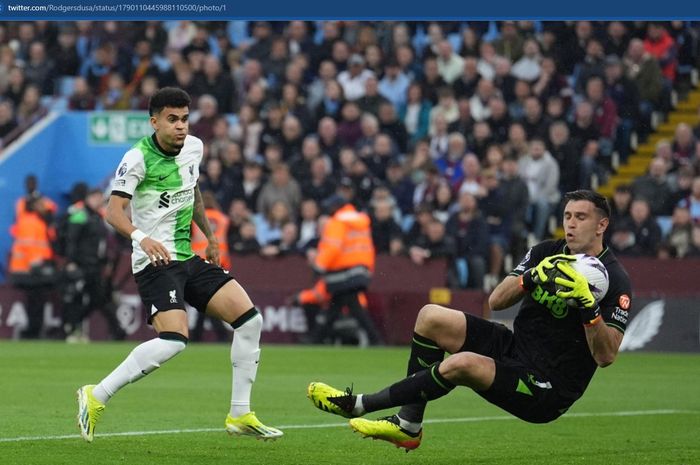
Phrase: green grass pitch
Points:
(644, 409)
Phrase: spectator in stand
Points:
(469, 46)
(466, 82)
(370, 101)
(495, 212)
(439, 137)
(415, 115)
(400, 186)
(247, 131)
(695, 245)
(692, 202)
(249, 189)
(583, 128)
(246, 243)
(30, 109)
(216, 181)
(503, 79)
(510, 43)
(550, 82)
(604, 113)
(383, 151)
(540, 172)
(640, 235)
(390, 125)
(679, 240)
(534, 122)
(386, 233)
(285, 245)
(65, 53)
(660, 45)
(592, 65)
(431, 81)
(116, 96)
(654, 188)
(449, 165)
(268, 223)
(281, 187)
(370, 129)
(516, 196)
(500, 120)
(213, 81)
(684, 143)
(527, 67)
(481, 139)
(643, 69)
(349, 127)
(625, 95)
(300, 165)
(272, 126)
(564, 152)
(681, 183)
(8, 123)
(203, 119)
(39, 68)
(443, 203)
(292, 137)
(394, 84)
(619, 208)
(573, 51)
(435, 243)
(471, 236)
(616, 39)
(471, 171)
(308, 225)
(479, 103)
(450, 65)
(464, 124)
(353, 79)
(517, 145)
(16, 84)
(328, 139)
(516, 107)
(331, 102)
(327, 72)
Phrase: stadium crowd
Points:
(458, 138)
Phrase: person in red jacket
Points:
(345, 260)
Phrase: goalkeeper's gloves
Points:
(579, 291)
(540, 274)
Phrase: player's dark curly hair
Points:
(600, 202)
(172, 97)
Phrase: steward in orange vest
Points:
(219, 224)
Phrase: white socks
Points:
(245, 353)
(144, 359)
(409, 426)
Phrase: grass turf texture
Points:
(37, 398)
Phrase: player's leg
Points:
(232, 304)
(358, 310)
(162, 291)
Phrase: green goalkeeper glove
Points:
(579, 291)
(539, 274)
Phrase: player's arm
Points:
(603, 341)
(117, 218)
(506, 294)
(199, 217)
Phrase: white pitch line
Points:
(632, 413)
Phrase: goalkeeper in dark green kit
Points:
(535, 372)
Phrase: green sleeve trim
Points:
(616, 327)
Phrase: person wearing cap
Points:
(353, 79)
(345, 260)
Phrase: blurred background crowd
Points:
(457, 138)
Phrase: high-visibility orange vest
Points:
(218, 222)
(32, 242)
(21, 206)
(346, 241)
(319, 295)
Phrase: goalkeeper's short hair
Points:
(600, 202)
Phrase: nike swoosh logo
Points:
(160, 178)
(422, 363)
